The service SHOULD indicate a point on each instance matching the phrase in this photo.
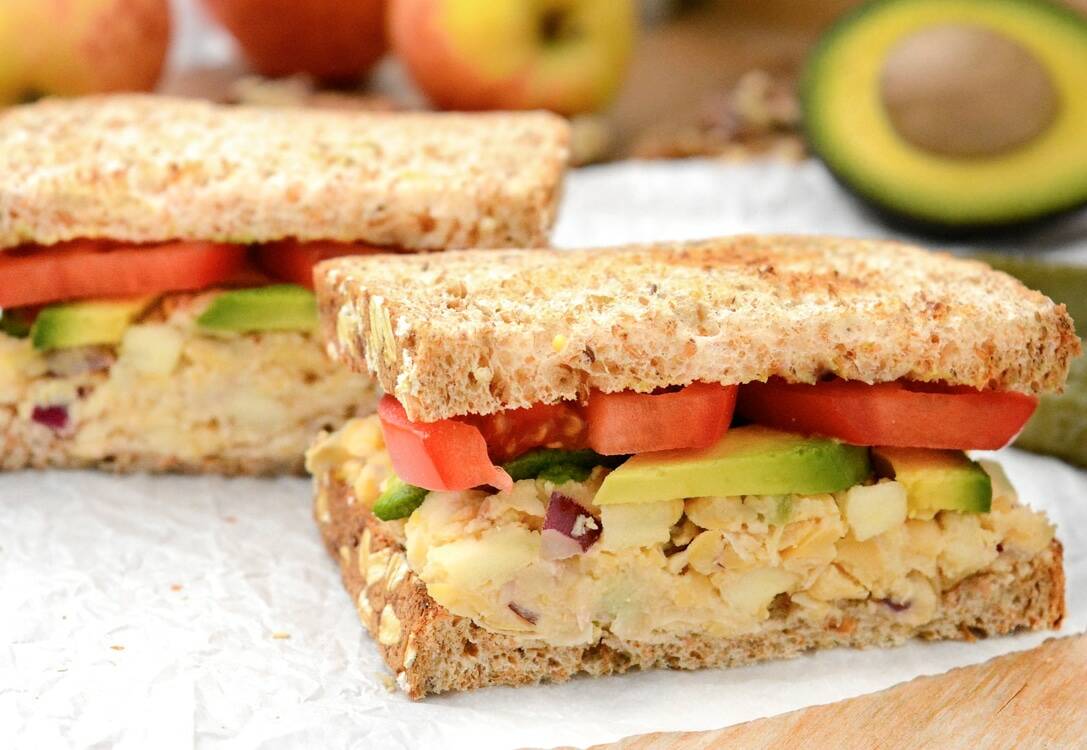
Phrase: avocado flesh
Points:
(849, 127)
(84, 323)
(936, 479)
(280, 307)
(750, 460)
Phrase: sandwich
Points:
(682, 456)
(156, 261)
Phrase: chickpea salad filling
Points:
(578, 542)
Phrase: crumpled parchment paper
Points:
(167, 612)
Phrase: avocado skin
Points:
(279, 307)
(751, 460)
(1059, 425)
(894, 216)
(84, 323)
(936, 479)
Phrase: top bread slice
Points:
(471, 332)
(143, 168)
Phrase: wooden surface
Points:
(1033, 699)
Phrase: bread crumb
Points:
(175, 587)
(117, 647)
(279, 635)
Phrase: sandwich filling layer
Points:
(171, 394)
(545, 559)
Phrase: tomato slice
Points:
(291, 260)
(96, 268)
(442, 455)
(899, 414)
(512, 432)
(693, 417)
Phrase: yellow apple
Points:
(335, 40)
(568, 56)
(81, 46)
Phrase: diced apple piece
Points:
(871, 510)
(151, 349)
(638, 524)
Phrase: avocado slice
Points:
(751, 460)
(953, 117)
(936, 479)
(280, 307)
(85, 323)
(399, 500)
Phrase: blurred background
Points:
(954, 122)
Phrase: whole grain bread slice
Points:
(142, 168)
(473, 333)
(431, 650)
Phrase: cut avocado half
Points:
(85, 323)
(281, 307)
(953, 115)
(751, 460)
(936, 479)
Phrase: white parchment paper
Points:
(166, 612)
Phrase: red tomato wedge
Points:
(627, 422)
(512, 432)
(94, 268)
(900, 414)
(442, 455)
(291, 260)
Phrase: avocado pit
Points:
(966, 91)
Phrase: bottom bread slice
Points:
(431, 650)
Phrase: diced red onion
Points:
(525, 614)
(568, 528)
(53, 417)
(896, 606)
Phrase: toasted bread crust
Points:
(142, 168)
(468, 333)
(433, 651)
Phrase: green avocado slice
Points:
(280, 307)
(399, 500)
(85, 323)
(936, 479)
(751, 460)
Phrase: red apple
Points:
(568, 57)
(336, 40)
(81, 46)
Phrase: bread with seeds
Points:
(469, 333)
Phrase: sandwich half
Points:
(682, 456)
(156, 260)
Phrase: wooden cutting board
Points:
(1033, 699)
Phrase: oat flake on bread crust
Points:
(143, 168)
(470, 332)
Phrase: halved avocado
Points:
(954, 115)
